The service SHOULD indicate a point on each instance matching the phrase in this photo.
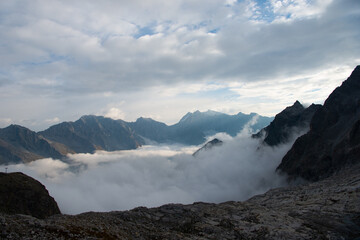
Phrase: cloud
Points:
(156, 175)
(70, 53)
(115, 113)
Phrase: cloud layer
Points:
(156, 175)
(88, 57)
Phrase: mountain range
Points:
(325, 207)
(91, 133)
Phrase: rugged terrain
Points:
(333, 141)
(295, 118)
(90, 133)
(328, 209)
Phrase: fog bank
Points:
(156, 175)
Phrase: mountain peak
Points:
(197, 113)
(87, 117)
(144, 119)
(333, 140)
(297, 103)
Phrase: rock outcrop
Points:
(21, 194)
(333, 140)
(327, 209)
(209, 145)
(295, 118)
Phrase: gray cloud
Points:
(64, 50)
(156, 175)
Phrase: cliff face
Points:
(21, 194)
(292, 118)
(334, 137)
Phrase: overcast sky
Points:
(124, 59)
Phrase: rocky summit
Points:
(295, 118)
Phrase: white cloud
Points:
(4, 122)
(297, 9)
(156, 175)
(115, 113)
(52, 120)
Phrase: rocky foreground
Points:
(328, 209)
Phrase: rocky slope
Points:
(295, 118)
(334, 137)
(19, 144)
(327, 209)
(21, 194)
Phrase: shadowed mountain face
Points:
(334, 137)
(19, 144)
(91, 133)
(21, 194)
(292, 119)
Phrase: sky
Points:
(60, 60)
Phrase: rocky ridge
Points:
(295, 118)
(19, 144)
(90, 133)
(333, 140)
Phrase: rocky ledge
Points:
(328, 209)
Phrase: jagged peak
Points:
(297, 103)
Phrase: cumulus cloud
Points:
(156, 175)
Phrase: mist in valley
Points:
(159, 174)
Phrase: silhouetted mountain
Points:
(210, 144)
(334, 137)
(21, 194)
(91, 133)
(292, 119)
(19, 144)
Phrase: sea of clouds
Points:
(154, 175)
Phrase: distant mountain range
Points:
(91, 133)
